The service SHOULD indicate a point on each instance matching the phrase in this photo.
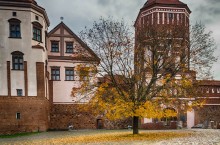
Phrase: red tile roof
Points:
(170, 2)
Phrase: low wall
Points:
(158, 126)
(34, 114)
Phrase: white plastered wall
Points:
(24, 45)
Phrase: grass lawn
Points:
(99, 137)
(18, 135)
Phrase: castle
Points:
(38, 68)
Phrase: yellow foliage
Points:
(109, 137)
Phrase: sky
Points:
(80, 13)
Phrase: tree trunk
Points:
(135, 125)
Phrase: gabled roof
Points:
(75, 37)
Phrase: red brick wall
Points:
(40, 79)
(34, 114)
(158, 126)
(62, 115)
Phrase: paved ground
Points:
(199, 137)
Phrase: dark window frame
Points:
(19, 92)
(14, 28)
(17, 60)
(37, 31)
(55, 73)
(69, 47)
(18, 115)
(69, 74)
(57, 48)
(14, 14)
(171, 15)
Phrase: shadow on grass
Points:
(18, 135)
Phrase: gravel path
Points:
(199, 137)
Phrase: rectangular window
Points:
(36, 18)
(18, 115)
(19, 92)
(37, 34)
(69, 47)
(170, 15)
(55, 74)
(69, 73)
(14, 14)
(18, 63)
(54, 46)
(15, 30)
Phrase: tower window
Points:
(170, 15)
(14, 28)
(14, 14)
(54, 46)
(69, 47)
(19, 92)
(36, 18)
(55, 74)
(37, 31)
(18, 115)
(17, 60)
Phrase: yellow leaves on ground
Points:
(111, 137)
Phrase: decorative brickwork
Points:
(33, 111)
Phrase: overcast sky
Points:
(80, 13)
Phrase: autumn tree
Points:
(141, 79)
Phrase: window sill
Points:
(37, 40)
(54, 51)
(69, 80)
(69, 52)
(17, 69)
(15, 37)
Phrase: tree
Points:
(144, 78)
(202, 48)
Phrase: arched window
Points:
(17, 60)
(37, 31)
(14, 28)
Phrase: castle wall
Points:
(34, 114)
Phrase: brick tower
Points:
(23, 62)
(164, 25)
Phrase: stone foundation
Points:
(34, 114)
